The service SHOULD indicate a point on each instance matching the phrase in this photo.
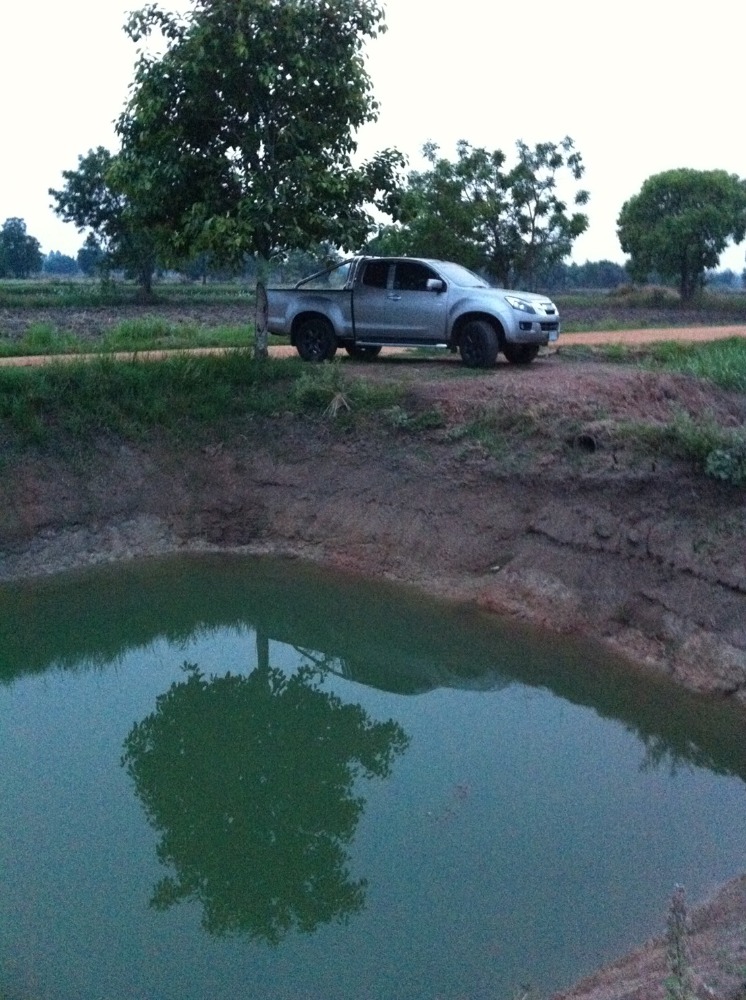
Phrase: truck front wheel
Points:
(315, 340)
(478, 344)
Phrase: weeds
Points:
(178, 395)
(718, 451)
(153, 333)
(400, 419)
(81, 294)
(326, 389)
(679, 985)
(721, 361)
(729, 463)
(41, 338)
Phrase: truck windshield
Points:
(461, 276)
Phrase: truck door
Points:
(421, 312)
(391, 304)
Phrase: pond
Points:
(225, 778)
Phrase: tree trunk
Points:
(260, 321)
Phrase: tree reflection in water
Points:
(250, 783)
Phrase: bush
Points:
(728, 464)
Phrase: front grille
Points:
(548, 327)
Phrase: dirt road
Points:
(595, 338)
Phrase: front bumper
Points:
(538, 331)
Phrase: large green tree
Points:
(20, 254)
(680, 223)
(239, 134)
(91, 199)
(510, 222)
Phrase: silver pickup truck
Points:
(367, 303)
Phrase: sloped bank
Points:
(653, 564)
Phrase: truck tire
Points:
(520, 354)
(361, 352)
(315, 339)
(478, 344)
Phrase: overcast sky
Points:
(642, 87)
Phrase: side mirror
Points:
(435, 285)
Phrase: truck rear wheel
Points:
(520, 354)
(315, 339)
(478, 344)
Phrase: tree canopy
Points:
(239, 134)
(20, 254)
(90, 199)
(508, 222)
(60, 264)
(679, 224)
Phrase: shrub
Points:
(728, 464)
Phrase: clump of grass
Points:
(497, 431)
(721, 361)
(400, 419)
(679, 984)
(81, 293)
(720, 452)
(153, 333)
(326, 389)
(41, 338)
(728, 464)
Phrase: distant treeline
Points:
(561, 277)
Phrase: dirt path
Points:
(650, 336)
(597, 338)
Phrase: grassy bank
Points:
(193, 397)
(182, 396)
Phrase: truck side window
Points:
(376, 274)
(411, 276)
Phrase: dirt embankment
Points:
(567, 525)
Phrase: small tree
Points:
(57, 263)
(680, 223)
(91, 258)
(90, 199)
(20, 254)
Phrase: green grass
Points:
(77, 400)
(149, 333)
(722, 362)
(81, 293)
(153, 333)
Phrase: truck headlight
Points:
(520, 304)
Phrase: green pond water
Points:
(225, 778)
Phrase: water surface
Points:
(227, 778)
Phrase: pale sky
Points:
(642, 87)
